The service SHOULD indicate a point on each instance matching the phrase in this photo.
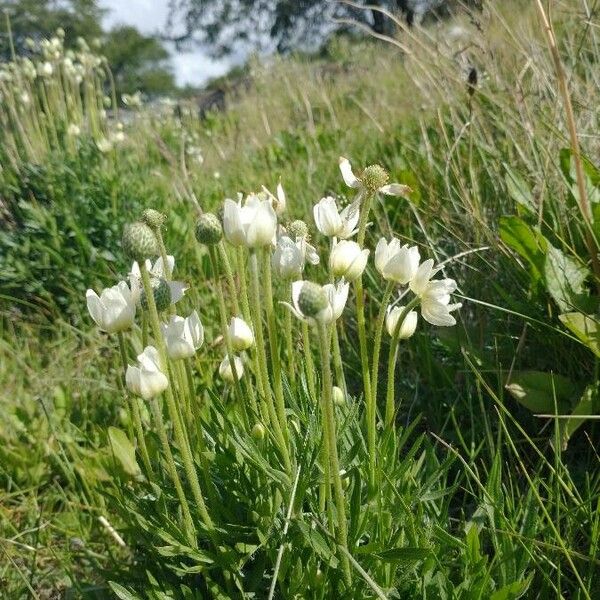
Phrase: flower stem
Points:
(229, 276)
(289, 338)
(135, 410)
(180, 437)
(171, 467)
(243, 285)
(331, 447)
(309, 362)
(262, 361)
(390, 408)
(377, 351)
(337, 362)
(274, 347)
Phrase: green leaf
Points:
(512, 591)
(585, 328)
(123, 451)
(587, 405)
(404, 555)
(536, 391)
(564, 279)
(121, 592)
(526, 241)
(518, 190)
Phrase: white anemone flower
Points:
(240, 334)
(157, 269)
(329, 306)
(252, 223)
(395, 262)
(351, 180)
(288, 258)
(183, 336)
(226, 372)
(114, 310)
(434, 295)
(348, 260)
(331, 222)
(278, 200)
(146, 379)
(409, 325)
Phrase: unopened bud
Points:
(208, 229)
(258, 432)
(338, 396)
(139, 242)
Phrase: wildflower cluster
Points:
(264, 273)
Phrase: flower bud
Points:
(338, 396)
(298, 229)
(153, 218)
(312, 299)
(374, 177)
(146, 379)
(208, 229)
(258, 432)
(226, 372)
(240, 334)
(345, 479)
(409, 325)
(139, 242)
(161, 292)
(347, 260)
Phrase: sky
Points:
(149, 16)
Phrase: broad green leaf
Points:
(585, 328)
(588, 405)
(512, 591)
(121, 592)
(518, 190)
(564, 279)
(123, 451)
(536, 391)
(526, 241)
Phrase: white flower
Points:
(351, 180)
(146, 379)
(183, 336)
(226, 372)
(252, 224)
(240, 334)
(73, 130)
(435, 295)
(114, 310)
(332, 223)
(396, 263)
(45, 69)
(435, 302)
(288, 258)
(347, 260)
(409, 325)
(278, 201)
(329, 305)
(178, 288)
(104, 145)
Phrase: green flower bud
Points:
(258, 432)
(374, 177)
(338, 396)
(139, 242)
(161, 292)
(312, 299)
(153, 218)
(298, 229)
(208, 229)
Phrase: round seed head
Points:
(298, 229)
(312, 299)
(139, 242)
(154, 218)
(258, 432)
(208, 229)
(374, 177)
(161, 292)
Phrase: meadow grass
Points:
(479, 497)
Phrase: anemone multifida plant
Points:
(257, 470)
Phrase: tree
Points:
(222, 25)
(138, 62)
(39, 19)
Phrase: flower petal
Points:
(349, 177)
